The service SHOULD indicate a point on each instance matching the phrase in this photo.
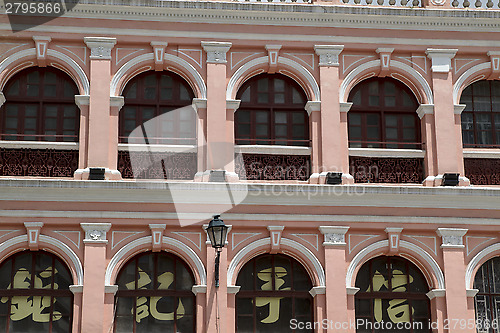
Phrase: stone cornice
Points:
(300, 14)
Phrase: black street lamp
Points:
(217, 232)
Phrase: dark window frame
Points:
(470, 110)
(155, 292)
(253, 106)
(41, 102)
(140, 102)
(254, 292)
(390, 295)
(32, 291)
(489, 294)
(399, 109)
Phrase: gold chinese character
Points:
(25, 306)
(273, 302)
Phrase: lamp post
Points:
(217, 232)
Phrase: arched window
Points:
(154, 94)
(481, 116)
(274, 290)
(487, 300)
(392, 291)
(154, 295)
(34, 294)
(40, 106)
(271, 112)
(383, 115)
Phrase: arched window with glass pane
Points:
(392, 290)
(154, 295)
(271, 112)
(274, 290)
(487, 300)
(40, 106)
(481, 116)
(34, 294)
(383, 115)
(158, 99)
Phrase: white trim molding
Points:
(259, 62)
(317, 291)
(345, 107)
(124, 70)
(481, 153)
(181, 249)
(436, 293)
(389, 153)
(375, 65)
(312, 106)
(272, 150)
(233, 104)
(424, 109)
(457, 87)
(2, 98)
(199, 289)
(264, 243)
(458, 108)
(351, 290)
(472, 292)
(471, 267)
(378, 248)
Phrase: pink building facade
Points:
(353, 149)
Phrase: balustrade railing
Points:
(156, 165)
(482, 171)
(387, 3)
(38, 162)
(386, 170)
(273, 167)
(472, 4)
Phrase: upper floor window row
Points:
(40, 106)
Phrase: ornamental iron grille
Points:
(481, 116)
(38, 162)
(271, 112)
(153, 94)
(392, 292)
(147, 165)
(482, 171)
(487, 300)
(386, 170)
(274, 290)
(154, 295)
(383, 115)
(40, 106)
(273, 167)
(35, 295)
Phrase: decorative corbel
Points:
(100, 47)
(495, 65)
(453, 238)
(273, 54)
(33, 231)
(424, 109)
(276, 232)
(159, 54)
(394, 235)
(385, 60)
(312, 106)
(216, 51)
(95, 233)
(333, 235)
(157, 236)
(116, 103)
(2, 98)
(41, 46)
(441, 59)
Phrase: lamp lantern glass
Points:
(217, 232)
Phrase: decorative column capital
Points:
(199, 103)
(2, 98)
(436, 293)
(452, 237)
(111, 289)
(33, 230)
(351, 290)
(95, 232)
(232, 104)
(424, 109)
(233, 289)
(116, 101)
(199, 289)
(345, 107)
(100, 47)
(312, 106)
(81, 100)
(216, 51)
(458, 108)
(320, 290)
(333, 235)
(328, 54)
(441, 59)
